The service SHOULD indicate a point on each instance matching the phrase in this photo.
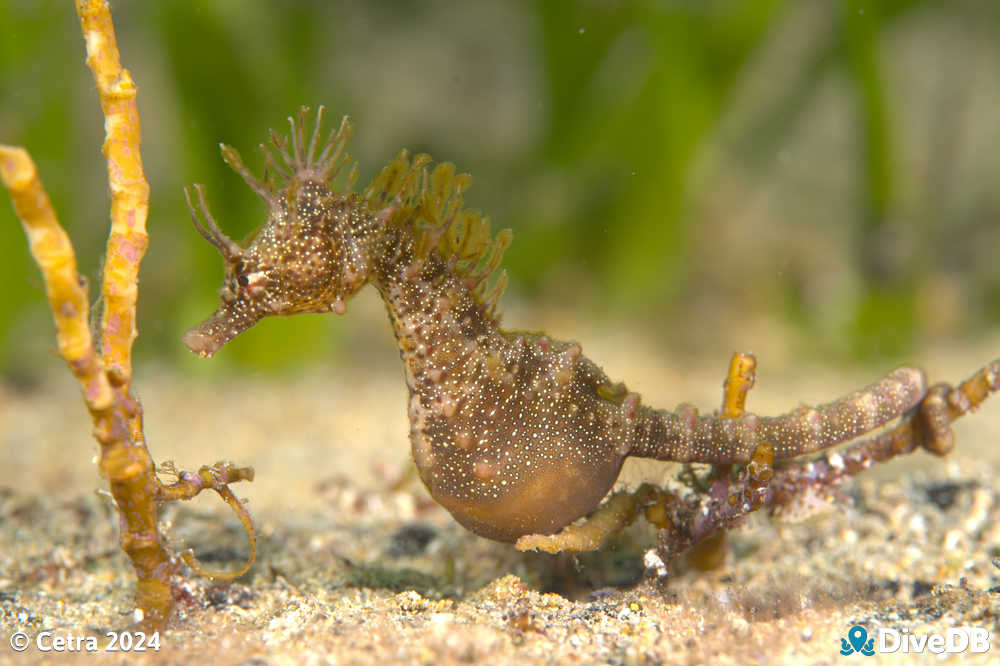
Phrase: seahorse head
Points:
(309, 256)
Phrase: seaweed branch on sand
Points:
(105, 370)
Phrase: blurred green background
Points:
(688, 167)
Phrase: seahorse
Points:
(513, 432)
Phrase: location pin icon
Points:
(857, 635)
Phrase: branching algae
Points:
(516, 434)
(105, 371)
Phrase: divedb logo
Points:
(954, 640)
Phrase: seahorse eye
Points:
(242, 280)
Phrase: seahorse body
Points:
(513, 432)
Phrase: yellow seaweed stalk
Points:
(105, 375)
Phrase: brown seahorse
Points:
(513, 432)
